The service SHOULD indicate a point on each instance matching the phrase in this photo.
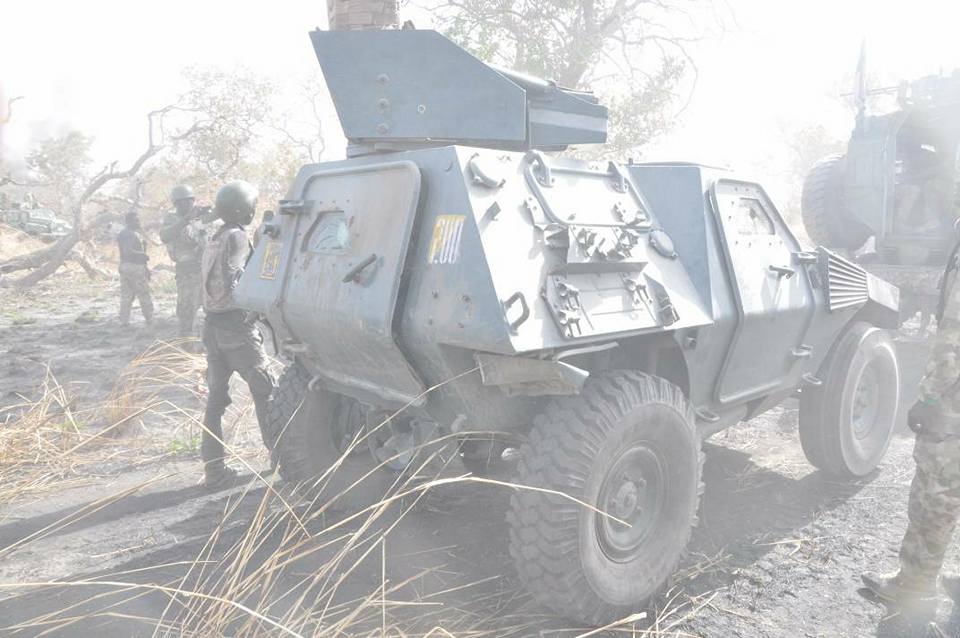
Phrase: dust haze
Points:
(468, 318)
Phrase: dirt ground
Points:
(121, 523)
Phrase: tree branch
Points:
(44, 263)
(9, 114)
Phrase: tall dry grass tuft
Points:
(47, 442)
(167, 375)
(305, 567)
(306, 572)
(282, 562)
(42, 441)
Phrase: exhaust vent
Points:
(846, 281)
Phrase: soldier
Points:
(232, 341)
(934, 503)
(134, 275)
(184, 235)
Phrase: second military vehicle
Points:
(35, 221)
(595, 319)
(890, 201)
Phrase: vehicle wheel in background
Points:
(846, 423)
(312, 429)
(821, 206)
(627, 445)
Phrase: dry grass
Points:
(290, 567)
(165, 387)
(167, 376)
(44, 441)
(292, 570)
(14, 242)
(153, 411)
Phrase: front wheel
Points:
(626, 453)
(847, 422)
(312, 430)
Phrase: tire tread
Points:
(558, 455)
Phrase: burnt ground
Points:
(778, 551)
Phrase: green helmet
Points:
(179, 192)
(236, 202)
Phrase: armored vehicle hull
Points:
(36, 221)
(890, 201)
(593, 321)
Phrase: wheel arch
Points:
(877, 314)
(659, 356)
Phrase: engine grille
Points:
(846, 282)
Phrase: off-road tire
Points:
(298, 420)
(821, 208)
(833, 438)
(574, 448)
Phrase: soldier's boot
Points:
(894, 588)
(951, 587)
(216, 474)
(147, 315)
(219, 476)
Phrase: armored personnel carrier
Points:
(35, 221)
(454, 281)
(890, 201)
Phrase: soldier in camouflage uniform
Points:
(184, 235)
(134, 274)
(934, 504)
(232, 341)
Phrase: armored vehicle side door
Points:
(342, 256)
(773, 294)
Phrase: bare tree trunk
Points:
(350, 15)
(93, 271)
(26, 262)
(61, 250)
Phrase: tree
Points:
(347, 15)
(227, 125)
(633, 53)
(6, 114)
(261, 131)
(233, 105)
(60, 164)
(808, 144)
(44, 262)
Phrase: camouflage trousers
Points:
(232, 345)
(189, 296)
(933, 508)
(135, 283)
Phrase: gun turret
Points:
(402, 89)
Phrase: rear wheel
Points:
(627, 446)
(312, 430)
(821, 206)
(846, 423)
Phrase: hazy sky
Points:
(100, 65)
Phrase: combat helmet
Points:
(236, 202)
(181, 191)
